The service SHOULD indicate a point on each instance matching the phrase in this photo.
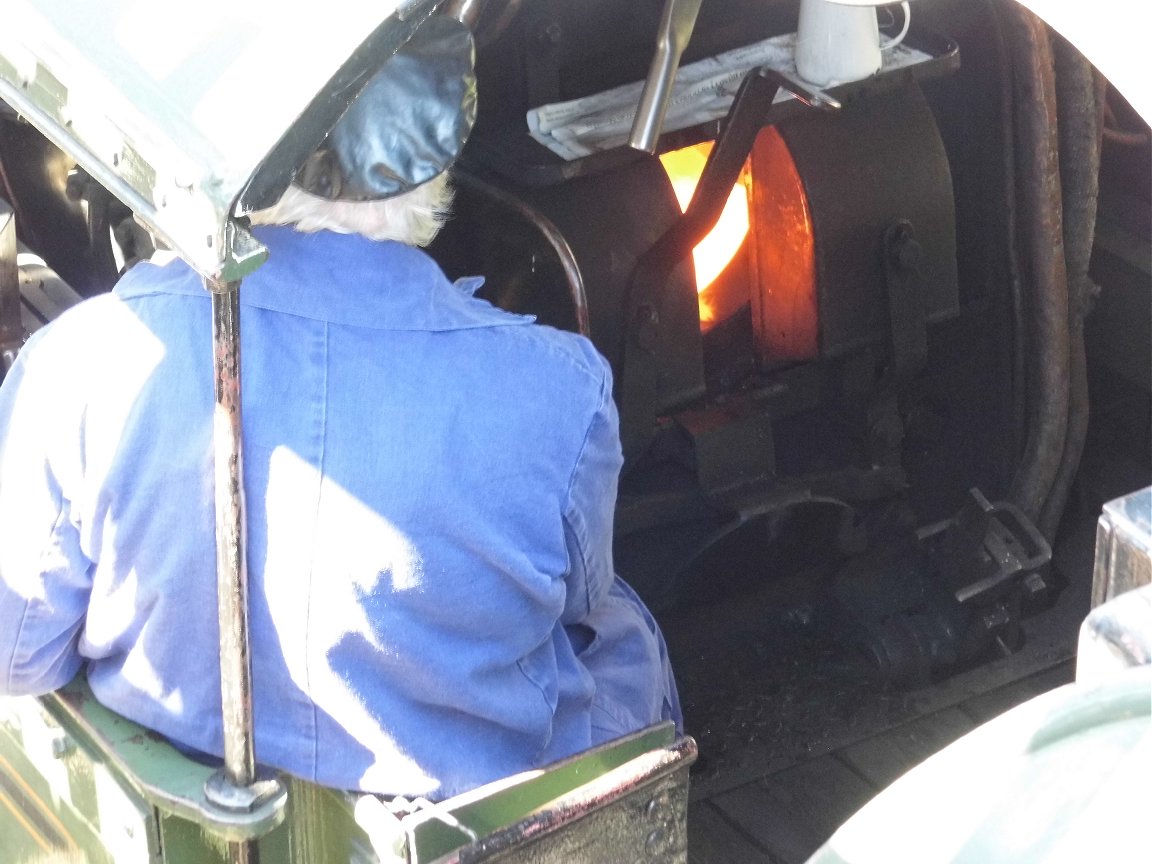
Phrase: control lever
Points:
(637, 387)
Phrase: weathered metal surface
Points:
(231, 569)
(1123, 546)
(576, 810)
(237, 788)
(635, 813)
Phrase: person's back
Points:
(430, 486)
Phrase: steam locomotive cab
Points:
(854, 332)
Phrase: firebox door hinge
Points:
(905, 284)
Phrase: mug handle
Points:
(899, 37)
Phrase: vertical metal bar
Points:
(231, 570)
(231, 567)
(244, 852)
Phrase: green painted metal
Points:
(75, 778)
(491, 808)
(55, 801)
(161, 775)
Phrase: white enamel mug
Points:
(837, 43)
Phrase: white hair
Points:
(413, 218)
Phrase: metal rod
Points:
(231, 567)
(231, 570)
(676, 26)
(244, 852)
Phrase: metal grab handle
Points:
(237, 787)
(235, 661)
(676, 25)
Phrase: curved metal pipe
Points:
(1044, 268)
(1078, 102)
(551, 233)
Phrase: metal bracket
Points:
(223, 793)
(985, 549)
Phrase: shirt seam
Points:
(580, 540)
(52, 532)
(312, 563)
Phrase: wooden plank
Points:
(712, 839)
(882, 759)
(995, 702)
(791, 813)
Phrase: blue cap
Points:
(408, 124)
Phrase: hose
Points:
(1079, 104)
(1043, 266)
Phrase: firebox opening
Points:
(716, 251)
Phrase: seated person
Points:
(430, 484)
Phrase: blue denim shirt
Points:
(430, 485)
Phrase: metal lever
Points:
(637, 384)
(676, 25)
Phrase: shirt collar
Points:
(342, 279)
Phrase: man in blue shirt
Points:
(430, 483)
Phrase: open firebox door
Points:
(174, 121)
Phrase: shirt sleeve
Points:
(591, 508)
(45, 580)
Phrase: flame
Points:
(717, 250)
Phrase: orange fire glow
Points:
(785, 302)
(717, 250)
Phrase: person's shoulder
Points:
(100, 327)
(563, 352)
(81, 323)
